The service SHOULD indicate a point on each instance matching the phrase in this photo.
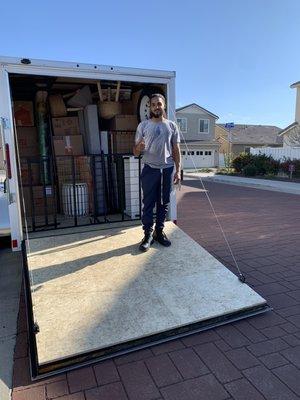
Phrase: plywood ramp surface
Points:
(96, 289)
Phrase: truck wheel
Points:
(143, 105)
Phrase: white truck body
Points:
(9, 65)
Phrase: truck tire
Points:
(143, 105)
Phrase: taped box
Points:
(68, 145)
(23, 113)
(124, 123)
(65, 126)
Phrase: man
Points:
(158, 140)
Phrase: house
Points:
(199, 147)
(242, 137)
(291, 134)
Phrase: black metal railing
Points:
(65, 191)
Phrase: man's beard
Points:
(156, 114)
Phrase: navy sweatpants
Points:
(156, 186)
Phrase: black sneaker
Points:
(146, 242)
(161, 238)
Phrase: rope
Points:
(241, 276)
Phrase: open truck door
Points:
(10, 150)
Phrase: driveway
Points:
(257, 358)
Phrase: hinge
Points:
(11, 198)
(36, 328)
(5, 123)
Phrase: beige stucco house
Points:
(242, 137)
(291, 134)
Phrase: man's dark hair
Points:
(158, 95)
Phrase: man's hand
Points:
(141, 146)
(177, 178)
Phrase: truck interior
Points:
(90, 293)
(75, 140)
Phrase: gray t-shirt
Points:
(159, 139)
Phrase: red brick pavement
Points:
(257, 358)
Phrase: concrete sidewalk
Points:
(266, 184)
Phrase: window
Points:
(192, 153)
(197, 153)
(201, 153)
(183, 153)
(182, 124)
(203, 125)
(208, 153)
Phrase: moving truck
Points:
(70, 91)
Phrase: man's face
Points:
(157, 106)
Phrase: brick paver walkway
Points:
(257, 358)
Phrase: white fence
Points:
(278, 153)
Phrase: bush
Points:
(266, 164)
(262, 163)
(284, 166)
(250, 170)
(240, 162)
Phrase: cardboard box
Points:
(128, 107)
(39, 199)
(124, 123)
(23, 113)
(35, 173)
(122, 142)
(68, 145)
(65, 126)
(27, 137)
(28, 143)
(82, 169)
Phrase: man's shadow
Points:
(46, 274)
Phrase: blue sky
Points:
(236, 58)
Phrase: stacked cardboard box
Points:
(23, 113)
(67, 139)
(65, 126)
(124, 123)
(68, 145)
(123, 129)
(39, 198)
(28, 143)
(122, 142)
(25, 172)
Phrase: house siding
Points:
(193, 126)
(201, 142)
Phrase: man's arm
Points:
(177, 159)
(139, 148)
(139, 143)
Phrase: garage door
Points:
(201, 158)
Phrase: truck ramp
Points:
(92, 294)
